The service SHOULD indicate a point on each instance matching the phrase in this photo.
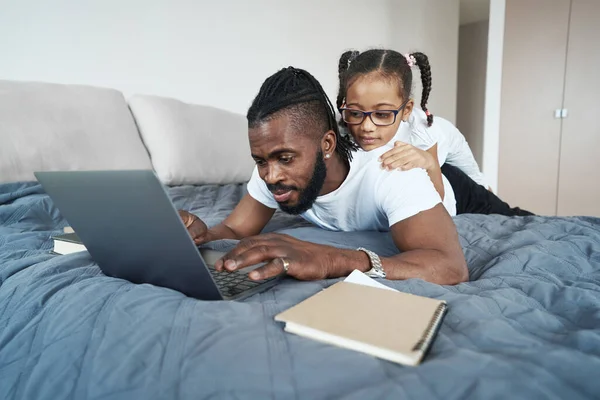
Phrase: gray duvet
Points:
(527, 325)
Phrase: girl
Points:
(376, 107)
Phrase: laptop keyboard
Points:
(234, 283)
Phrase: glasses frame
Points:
(366, 114)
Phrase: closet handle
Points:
(561, 113)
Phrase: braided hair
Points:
(390, 64)
(298, 94)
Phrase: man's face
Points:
(290, 162)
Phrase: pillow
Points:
(46, 127)
(193, 144)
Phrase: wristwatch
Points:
(376, 270)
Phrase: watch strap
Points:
(376, 270)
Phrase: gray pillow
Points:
(193, 144)
(45, 127)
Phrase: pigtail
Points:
(423, 64)
(345, 60)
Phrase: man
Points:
(304, 166)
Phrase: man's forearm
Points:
(221, 231)
(430, 265)
(343, 262)
(248, 218)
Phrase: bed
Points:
(527, 325)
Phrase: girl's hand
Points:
(405, 156)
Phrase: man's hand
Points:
(195, 226)
(305, 260)
(405, 156)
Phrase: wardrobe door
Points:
(579, 176)
(535, 46)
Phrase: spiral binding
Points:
(432, 328)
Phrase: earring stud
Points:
(327, 155)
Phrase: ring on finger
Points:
(190, 221)
(285, 263)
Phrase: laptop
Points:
(132, 230)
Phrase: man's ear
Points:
(408, 108)
(328, 143)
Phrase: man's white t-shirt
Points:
(369, 199)
(452, 145)
(449, 199)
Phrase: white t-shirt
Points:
(452, 145)
(369, 199)
(404, 135)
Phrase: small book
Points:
(67, 243)
(387, 324)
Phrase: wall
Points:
(472, 65)
(431, 26)
(215, 53)
(474, 11)
(493, 91)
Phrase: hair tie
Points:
(410, 60)
(353, 55)
(427, 113)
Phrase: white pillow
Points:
(193, 144)
(45, 127)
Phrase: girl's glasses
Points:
(352, 116)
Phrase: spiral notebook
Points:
(387, 324)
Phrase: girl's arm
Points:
(460, 154)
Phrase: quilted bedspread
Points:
(527, 325)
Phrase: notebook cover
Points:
(398, 322)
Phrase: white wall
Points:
(216, 53)
(472, 65)
(431, 27)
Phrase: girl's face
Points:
(373, 92)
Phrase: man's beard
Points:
(308, 195)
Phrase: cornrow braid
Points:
(423, 64)
(296, 88)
